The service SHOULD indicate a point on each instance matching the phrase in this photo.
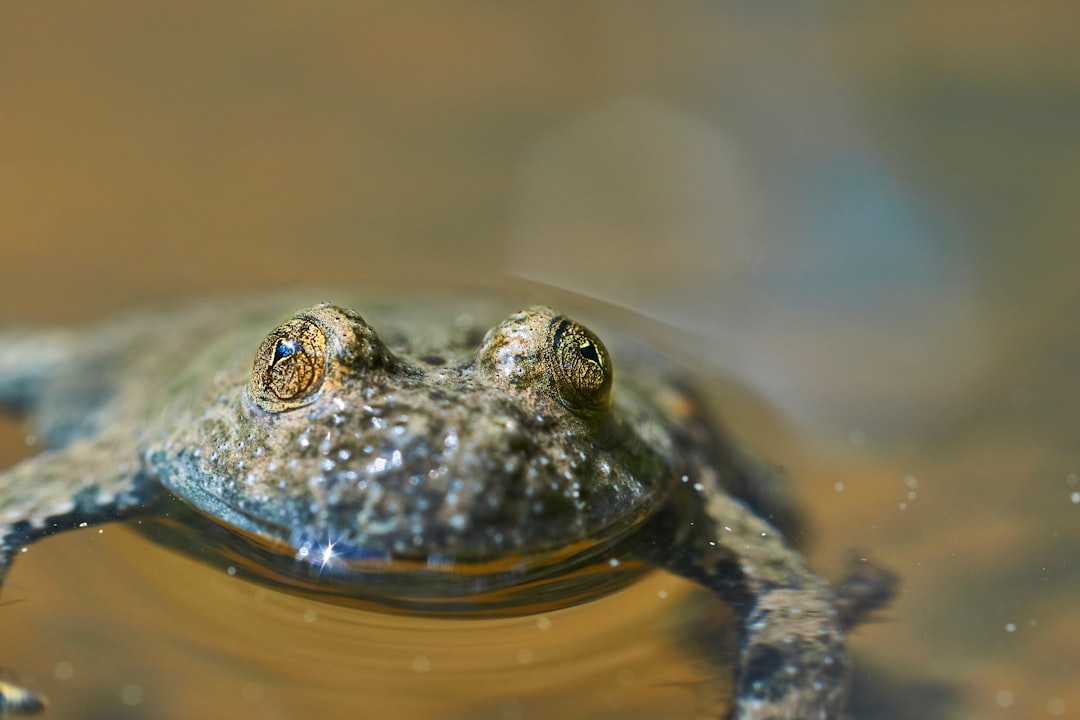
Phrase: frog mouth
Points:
(349, 575)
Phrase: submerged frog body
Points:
(431, 467)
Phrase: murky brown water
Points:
(864, 215)
(132, 630)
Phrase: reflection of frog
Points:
(425, 471)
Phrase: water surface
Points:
(860, 220)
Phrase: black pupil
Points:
(588, 351)
(284, 349)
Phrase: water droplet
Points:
(131, 695)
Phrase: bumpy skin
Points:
(429, 467)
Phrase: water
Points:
(860, 220)
(129, 629)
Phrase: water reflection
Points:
(867, 212)
(131, 629)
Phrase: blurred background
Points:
(864, 215)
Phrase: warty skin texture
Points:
(403, 457)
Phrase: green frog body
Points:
(431, 461)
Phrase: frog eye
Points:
(289, 366)
(539, 351)
(580, 366)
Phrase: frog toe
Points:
(18, 702)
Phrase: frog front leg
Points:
(28, 360)
(86, 483)
(791, 662)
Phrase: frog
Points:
(431, 461)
